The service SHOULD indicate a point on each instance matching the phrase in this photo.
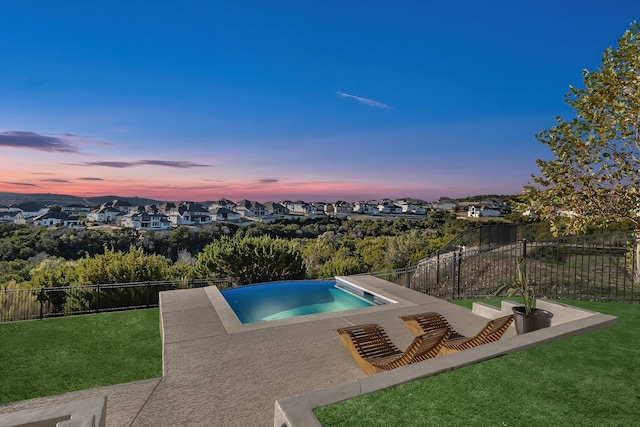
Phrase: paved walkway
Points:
(215, 378)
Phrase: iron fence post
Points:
(98, 298)
(459, 270)
(524, 248)
(41, 303)
(147, 284)
(453, 276)
(407, 279)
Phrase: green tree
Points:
(117, 267)
(71, 243)
(54, 273)
(122, 267)
(122, 239)
(178, 240)
(592, 179)
(16, 271)
(18, 242)
(407, 248)
(373, 250)
(319, 251)
(343, 263)
(251, 259)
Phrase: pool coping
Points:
(233, 325)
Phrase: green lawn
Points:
(52, 356)
(590, 380)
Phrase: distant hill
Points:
(7, 199)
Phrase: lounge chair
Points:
(374, 352)
(425, 322)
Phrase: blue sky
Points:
(275, 100)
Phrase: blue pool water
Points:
(281, 300)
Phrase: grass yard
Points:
(590, 380)
(44, 357)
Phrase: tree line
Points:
(32, 257)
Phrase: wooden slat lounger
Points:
(374, 352)
(425, 322)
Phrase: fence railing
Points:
(596, 267)
(493, 235)
(25, 304)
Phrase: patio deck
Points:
(215, 374)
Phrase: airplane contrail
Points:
(366, 101)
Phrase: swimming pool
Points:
(282, 300)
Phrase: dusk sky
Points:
(274, 100)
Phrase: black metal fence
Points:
(595, 267)
(25, 304)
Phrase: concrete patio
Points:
(218, 372)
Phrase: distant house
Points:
(146, 218)
(304, 208)
(365, 208)
(121, 205)
(489, 207)
(52, 219)
(495, 204)
(29, 209)
(76, 209)
(222, 203)
(247, 208)
(19, 218)
(339, 208)
(7, 216)
(186, 213)
(446, 204)
(317, 208)
(274, 208)
(342, 207)
(329, 209)
(478, 211)
(388, 207)
(411, 207)
(224, 214)
(104, 214)
(298, 207)
(110, 211)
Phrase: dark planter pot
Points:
(524, 322)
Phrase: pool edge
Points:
(233, 325)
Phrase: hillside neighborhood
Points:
(163, 216)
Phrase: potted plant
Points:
(527, 318)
